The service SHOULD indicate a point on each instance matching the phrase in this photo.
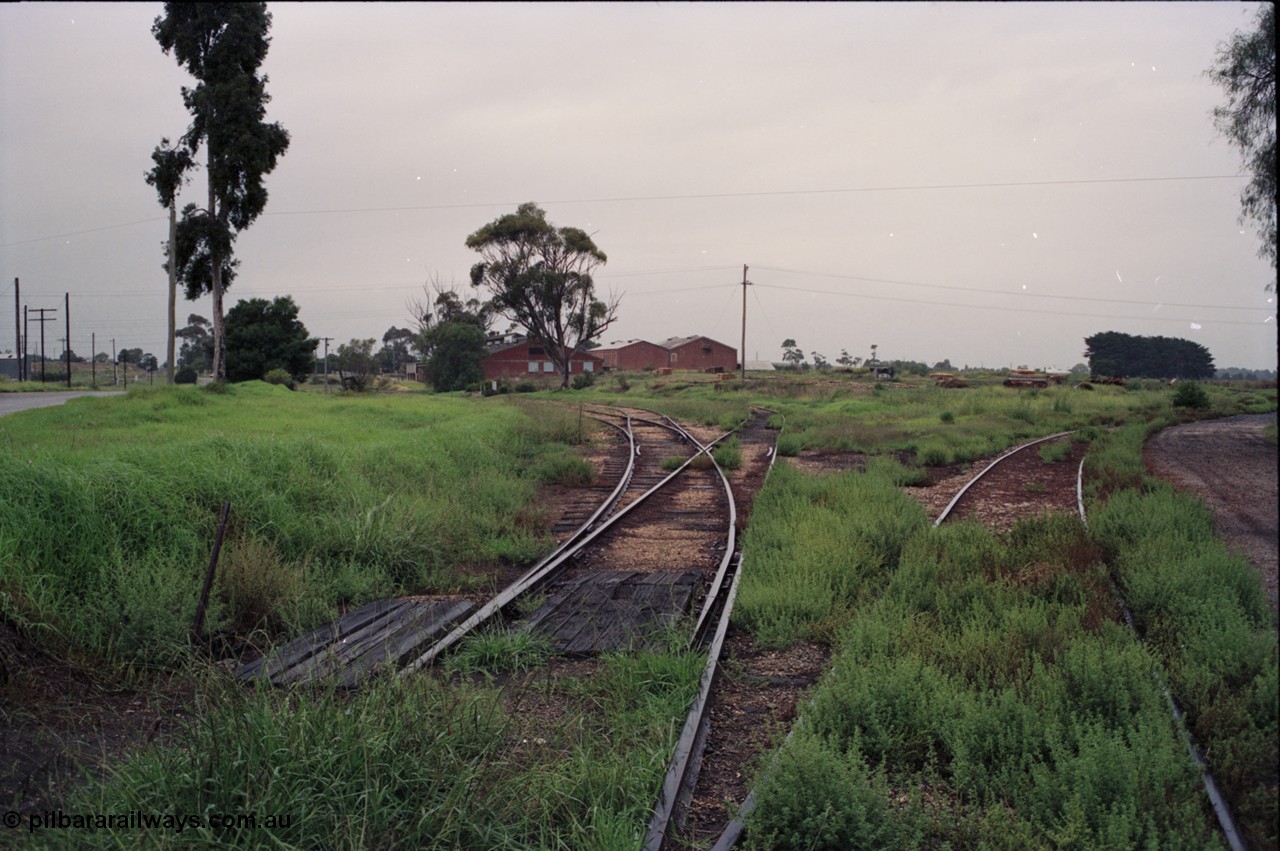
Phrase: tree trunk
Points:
(219, 343)
(173, 282)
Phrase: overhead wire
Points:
(1005, 293)
(935, 303)
(683, 197)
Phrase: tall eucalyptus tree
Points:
(222, 45)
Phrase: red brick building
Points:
(700, 353)
(528, 360)
(634, 356)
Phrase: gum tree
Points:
(167, 176)
(540, 277)
(1246, 70)
(222, 45)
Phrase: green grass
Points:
(109, 506)
(1202, 612)
(409, 763)
(984, 697)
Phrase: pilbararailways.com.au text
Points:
(137, 820)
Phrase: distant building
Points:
(634, 356)
(702, 354)
(527, 359)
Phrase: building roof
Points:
(620, 344)
(677, 342)
(498, 349)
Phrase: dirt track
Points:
(1231, 465)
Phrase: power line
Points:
(1004, 293)
(935, 303)
(691, 197)
(768, 194)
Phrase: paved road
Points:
(11, 403)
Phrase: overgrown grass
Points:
(108, 506)
(818, 545)
(1203, 613)
(499, 651)
(986, 698)
(408, 763)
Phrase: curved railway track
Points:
(651, 546)
(736, 827)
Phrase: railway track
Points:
(1221, 808)
(651, 546)
(736, 827)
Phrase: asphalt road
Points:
(11, 403)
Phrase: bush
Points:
(186, 375)
(526, 387)
(729, 454)
(1190, 395)
(583, 381)
(279, 376)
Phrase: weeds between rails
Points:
(591, 805)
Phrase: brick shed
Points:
(633, 356)
(700, 353)
(528, 360)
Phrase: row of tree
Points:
(535, 274)
(1126, 355)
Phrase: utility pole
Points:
(743, 351)
(26, 341)
(93, 359)
(66, 313)
(115, 379)
(17, 324)
(326, 362)
(43, 319)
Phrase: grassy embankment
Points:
(984, 690)
(107, 515)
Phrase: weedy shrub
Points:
(812, 796)
(499, 651)
(947, 418)
(728, 454)
(257, 587)
(789, 445)
(932, 454)
(1191, 395)
(1055, 451)
(672, 463)
(280, 377)
(567, 470)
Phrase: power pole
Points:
(26, 341)
(743, 352)
(43, 319)
(115, 379)
(17, 324)
(326, 362)
(66, 313)
(93, 359)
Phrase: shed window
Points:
(533, 366)
(588, 366)
(548, 366)
(537, 350)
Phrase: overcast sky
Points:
(985, 183)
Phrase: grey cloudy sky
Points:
(821, 144)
